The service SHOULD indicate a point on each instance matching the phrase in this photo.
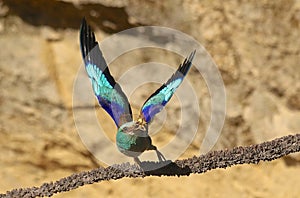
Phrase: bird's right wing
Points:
(155, 103)
(108, 92)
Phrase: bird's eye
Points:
(125, 128)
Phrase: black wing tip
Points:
(83, 29)
(187, 63)
(83, 23)
(87, 38)
(191, 56)
(83, 20)
(83, 26)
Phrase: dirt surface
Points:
(266, 151)
(255, 44)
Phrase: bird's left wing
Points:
(155, 103)
(108, 92)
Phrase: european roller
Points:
(132, 136)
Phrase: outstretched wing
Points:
(108, 92)
(155, 103)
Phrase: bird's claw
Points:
(137, 161)
(160, 156)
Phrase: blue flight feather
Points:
(109, 94)
(156, 102)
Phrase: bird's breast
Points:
(132, 144)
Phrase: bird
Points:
(132, 137)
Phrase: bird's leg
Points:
(137, 160)
(160, 156)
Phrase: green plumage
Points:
(132, 140)
(132, 137)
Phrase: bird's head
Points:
(137, 128)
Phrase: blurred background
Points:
(255, 44)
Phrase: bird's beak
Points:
(141, 121)
(140, 124)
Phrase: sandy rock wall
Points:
(256, 45)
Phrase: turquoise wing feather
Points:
(155, 103)
(109, 93)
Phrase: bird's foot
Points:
(160, 156)
(137, 161)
